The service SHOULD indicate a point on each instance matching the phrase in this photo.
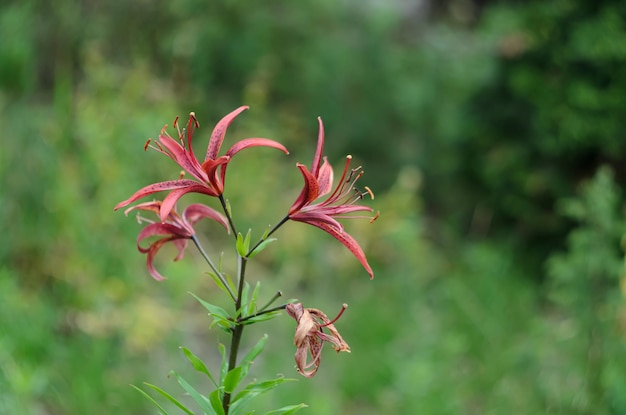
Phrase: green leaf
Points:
(244, 300)
(224, 366)
(148, 397)
(215, 398)
(263, 317)
(261, 247)
(232, 379)
(246, 242)
(243, 244)
(267, 232)
(198, 364)
(287, 410)
(250, 392)
(248, 359)
(170, 398)
(203, 402)
(218, 282)
(255, 295)
(220, 316)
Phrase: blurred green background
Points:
(492, 133)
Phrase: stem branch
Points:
(274, 229)
(195, 240)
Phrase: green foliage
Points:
(229, 382)
(505, 117)
(550, 115)
(583, 282)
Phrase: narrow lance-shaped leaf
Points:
(151, 399)
(261, 247)
(198, 364)
(215, 398)
(224, 365)
(244, 300)
(170, 398)
(202, 401)
(220, 316)
(232, 379)
(255, 295)
(251, 391)
(287, 410)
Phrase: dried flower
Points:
(310, 336)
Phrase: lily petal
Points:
(152, 251)
(309, 192)
(255, 142)
(325, 178)
(316, 216)
(319, 150)
(172, 197)
(217, 136)
(159, 229)
(347, 241)
(162, 186)
(182, 156)
(194, 212)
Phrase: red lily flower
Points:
(209, 175)
(310, 336)
(319, 182)
(177, 229)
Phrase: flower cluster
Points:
(318, 204)
(210, 174)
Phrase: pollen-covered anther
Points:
(375, 217)
(368, 190)
(192, 116)
(181, 175)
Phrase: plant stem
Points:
(274, 229)
(269, 303)
(194, 238)
(228, 215)
(238, 330)
(260, 313)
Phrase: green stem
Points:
(274, 229)
(260, 313)
(194, 238)
(269, 303)
(228, 215)
(238, 330)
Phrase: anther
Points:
(375, 217)
(343, 308)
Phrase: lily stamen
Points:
(343, 308)
(375, 217)
(208, 174)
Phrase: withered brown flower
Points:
(310, 336)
